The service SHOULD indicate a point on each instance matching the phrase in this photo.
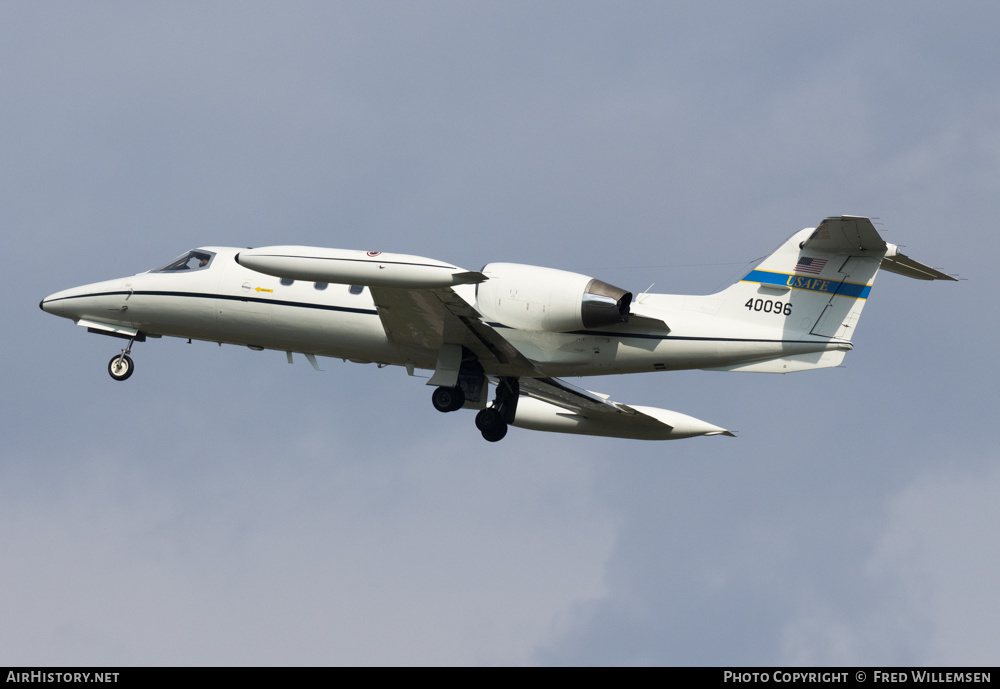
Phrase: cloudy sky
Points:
(222, 507)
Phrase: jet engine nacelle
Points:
(535, 298)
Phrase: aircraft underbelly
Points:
(306, 327)
(565, 349)
(335, 334)
(245, 321)
(636, 355)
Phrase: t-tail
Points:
(814, 287)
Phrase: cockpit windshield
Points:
(192, 260)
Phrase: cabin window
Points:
(356, 289)
(192, 260)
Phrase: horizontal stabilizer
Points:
(857, 236)
(901, 264)
(847, 234)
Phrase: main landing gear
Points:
(121, 367)
(492, 422)
(448, 399)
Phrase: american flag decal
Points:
(810, 265)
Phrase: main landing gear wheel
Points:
(120, 367)
(491, 423)
(447, 399)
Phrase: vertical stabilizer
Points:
(816, 283)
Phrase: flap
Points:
(431, 318)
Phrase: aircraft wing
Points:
(555, 405)
(430, 318)
(570, 397)
(421, 310)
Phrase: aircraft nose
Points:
(55, 304)
(48, 304)
(104, 301)
(69, 303)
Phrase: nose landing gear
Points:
(121, 366)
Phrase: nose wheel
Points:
(121, 366)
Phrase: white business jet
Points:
(514, 326)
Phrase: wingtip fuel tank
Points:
(342, 266)
(650, 423)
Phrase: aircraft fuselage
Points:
(231, 304)
(513, 327)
